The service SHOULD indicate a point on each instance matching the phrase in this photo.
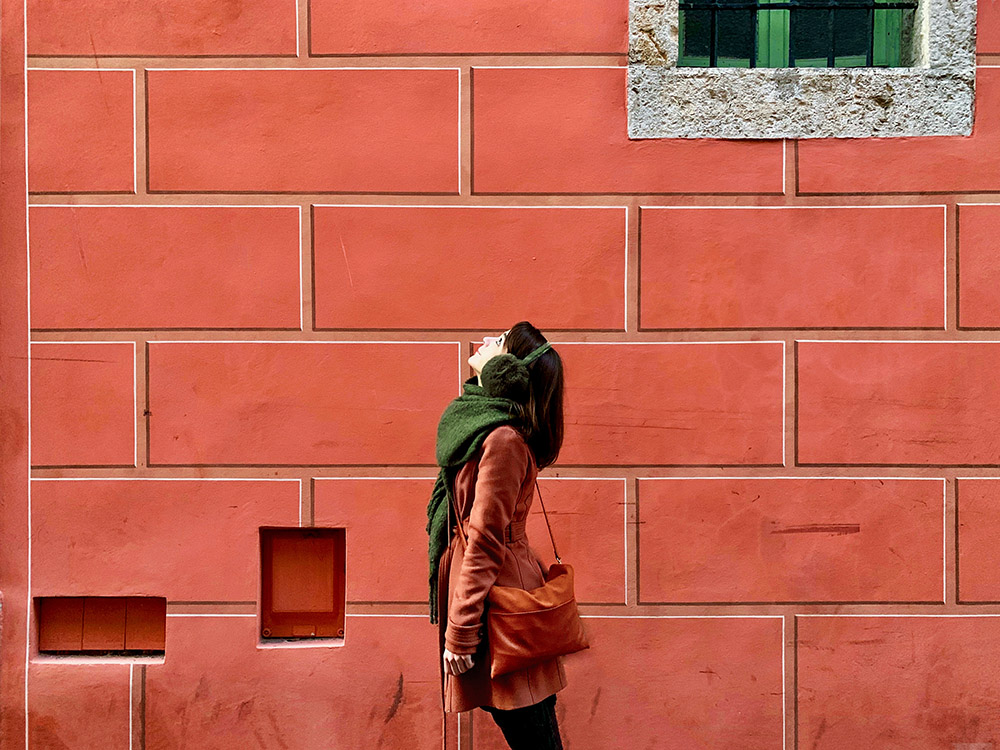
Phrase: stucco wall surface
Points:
(247, 249)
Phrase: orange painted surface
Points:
(380, 690)
(86, 708)
(185, 539)
(859, 405)
(161, 27)
(302, 583)
(348, 131)
(770, 540)
(83, 404)
(81, 126)
(362, 27)
(792, 267)
(673, 682)
(261, 244)
(676, 404)
(979, 266)
(99, 623)
(978, 551)
(308, 403)
(60, 622)
(145, 622)
(164, 267)
(370, 264)
(932, 678)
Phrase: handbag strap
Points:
(465, 538)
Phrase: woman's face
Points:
(491, 347)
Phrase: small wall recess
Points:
(101, 625)
(302, 583)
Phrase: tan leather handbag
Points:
(527, 627)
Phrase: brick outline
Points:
(146, 71)
(878, 341)
(135, 411)
(811, 328)
(312, 255)
(258, 206)
(134, 142)
(891, 602)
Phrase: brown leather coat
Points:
(494, 491)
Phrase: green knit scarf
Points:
(463, 427)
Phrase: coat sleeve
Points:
(502, 468)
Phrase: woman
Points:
(492, 441)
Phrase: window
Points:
(302, 582)
(795, 33)
(101, 625)
(800, 68)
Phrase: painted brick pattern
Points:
(847, 664)
(978, 306)
(188, 28)
(562, 130)
(572, 275)
(800, 267)
(81, 132)
(381, 691)
(203, 395)
(858, 406)
(667, 706)
(485, 27)
(165, 267)
(155, 537)
(978, 552)
(287, 130)
(770, 540)
(674, 403)
(81, 708)
(83, 404)
(262, 245)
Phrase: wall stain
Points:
(593, 706)
(832, 528)
(396, 700)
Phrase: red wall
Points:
(262, 241)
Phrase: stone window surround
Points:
(935, 97)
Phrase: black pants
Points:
(531, 727)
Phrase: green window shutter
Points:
(772, 37)
(887, 37)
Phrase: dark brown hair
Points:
(541, 418)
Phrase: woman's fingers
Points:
(456, 663)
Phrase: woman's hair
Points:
(541, 418)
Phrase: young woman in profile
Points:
(492, 440)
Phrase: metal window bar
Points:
(714, 6)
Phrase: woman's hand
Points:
(456, 663)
